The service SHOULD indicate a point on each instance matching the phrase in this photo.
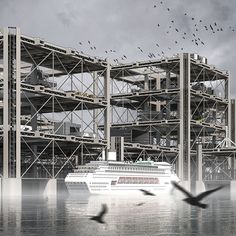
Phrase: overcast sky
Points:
(125, 25)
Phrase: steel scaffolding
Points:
(60, 108)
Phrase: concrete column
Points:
(184, 112)
(95, 111)
(11, 102)
(200, 186)
(5, 104)
(233, 120)
(233, 189)
(107, 117)
(167, 79)
(18, 103)
(50, 190)
(11, 187)
(33, 122)
(146, 85)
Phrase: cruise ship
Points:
(101, 177)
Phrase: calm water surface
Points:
(159, 215)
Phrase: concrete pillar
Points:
(11, 102)
(50, 190)
(233, 190)
(200, 186)
(107, 116)
(11, 187)
(167, 79)
(185, 116)
(233, 120)
(146, 85)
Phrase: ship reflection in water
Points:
(137, 215)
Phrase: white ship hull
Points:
(105, 181)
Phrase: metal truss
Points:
(62, 99)
(59, 109)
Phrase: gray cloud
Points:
(125, 25)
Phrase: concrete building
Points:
(76, 107)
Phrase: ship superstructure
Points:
(98, 177)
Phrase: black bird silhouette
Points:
(168, 9)
(99, 217)
(185, 14)
(158, 25)
(154, 6)
(145, 192)
(80, 43)
(157, 45)
(195, 201)
(192, 18)
(140, 204)
(176, 30)
(211, 27)
(88, 41)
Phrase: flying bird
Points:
(80, 43)
(89, 42)
(154, 6)
(168, 9)
(99, 217)
(195, 201)
(145, 192)
(140, 204)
